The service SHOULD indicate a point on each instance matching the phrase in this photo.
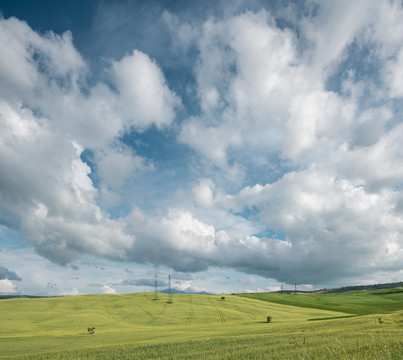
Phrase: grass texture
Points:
(366, 325)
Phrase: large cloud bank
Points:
(314, 108)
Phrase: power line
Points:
(170, 300)
(156, 297)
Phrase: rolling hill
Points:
(198, 326)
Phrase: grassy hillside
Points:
(352, 302)
(192, 327)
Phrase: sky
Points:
(238, 146)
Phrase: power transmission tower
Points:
(156, 287)
(170, 300)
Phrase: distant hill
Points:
(362, 287)
(23, 296)
(166, 291)
(321, 291)
(347, 288)
(176, 291)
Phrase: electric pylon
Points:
(156, 297)
(170, 300)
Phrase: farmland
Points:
(356, 325)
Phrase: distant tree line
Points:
(366, 287)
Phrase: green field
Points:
(352, 302)
(356, 325)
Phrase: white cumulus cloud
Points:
(108, 290)
(7, 287)
(293, 161)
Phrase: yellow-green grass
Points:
(134, 326)
(355, 338)
(34, 325)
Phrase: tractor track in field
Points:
(109, 313)
(222, 316)
(190, 313)
(151, 316)
(18, 317)
(220, 313)
(237, 308)
(77, 307)
(206, 318)
(170, 319)
(170, 314)
(68, 318)
(155, 317)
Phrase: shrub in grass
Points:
(269, 319)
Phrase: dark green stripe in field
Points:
(353, 302)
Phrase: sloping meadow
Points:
(143, 326)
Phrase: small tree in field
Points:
(91, 330)
(269, 319)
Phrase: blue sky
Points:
(237, 146)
